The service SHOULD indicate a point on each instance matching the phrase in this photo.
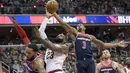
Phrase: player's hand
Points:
(13, 19)
(122, 44)
(48, 15)
(36, 32)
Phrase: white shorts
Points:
(60, 72)
(57, 71)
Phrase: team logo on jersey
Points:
(85, 39)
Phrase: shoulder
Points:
(38, 61)
(98, 65)
(116, 65)
(91, 36)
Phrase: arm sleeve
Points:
(42, 28)
(22, 34)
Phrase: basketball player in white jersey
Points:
(127, 68)
(56, 53)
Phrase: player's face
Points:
(106, 54)
(61, 36)
(80, 27)
(30, 53)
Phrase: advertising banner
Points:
(30, 20)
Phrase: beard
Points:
(128, 65)
(57, 40)
(31, 59)
(79, 29)
(106, 57)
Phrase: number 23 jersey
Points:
(54, 60)
(83, 46)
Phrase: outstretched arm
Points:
(107, 45)
(21, 32)
(43, 25)
(67, 27)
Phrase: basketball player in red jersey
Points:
(85, 63)
(107, 65)
(34, 63)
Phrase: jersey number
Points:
(50, 55)
(84, 44)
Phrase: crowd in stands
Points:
(14, 58)
(66, 6)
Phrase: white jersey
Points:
(127, 70)
(54, 60)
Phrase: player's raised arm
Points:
(44, 22)
(47, 43)
(66, 26)
(43, 25)
(107, 45)
(21, 32)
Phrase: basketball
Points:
(52, 6)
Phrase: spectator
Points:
(16, 65)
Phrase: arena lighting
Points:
(119, 27)
(11, 30)
(109, 29)
(34, 6)
(1, 6)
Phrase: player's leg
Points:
(80, 67)
(60, 72)
(91, 67)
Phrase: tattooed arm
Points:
(39, 65)
(61, 48)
